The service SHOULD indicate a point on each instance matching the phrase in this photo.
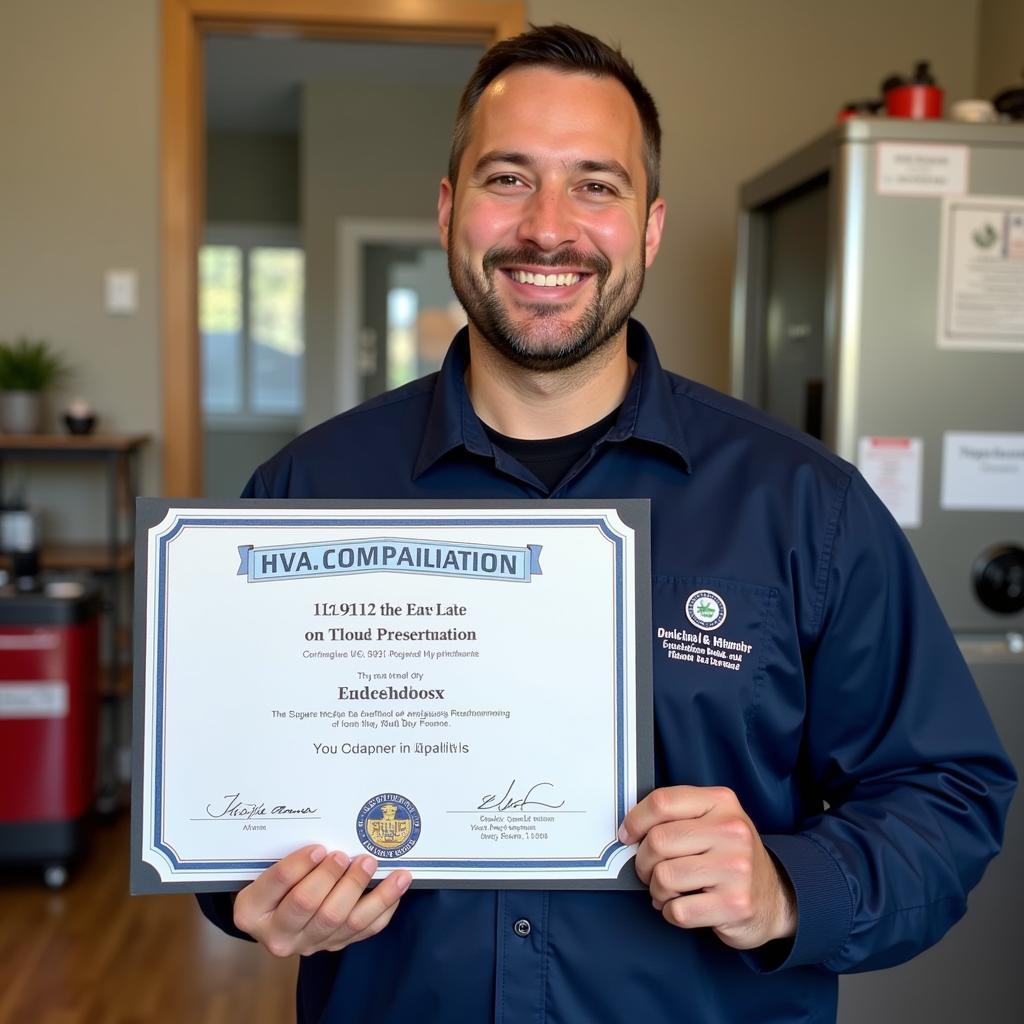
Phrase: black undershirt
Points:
(550, 458)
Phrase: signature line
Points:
(267, 817)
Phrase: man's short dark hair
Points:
(562, 48)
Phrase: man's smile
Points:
(545, 282)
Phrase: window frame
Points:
(248, 237)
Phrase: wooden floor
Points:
(92, 954)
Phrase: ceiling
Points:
(253, 82)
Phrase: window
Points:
(251, 285)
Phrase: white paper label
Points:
(892, 466)
(45, 699)
(983, 471)
(921, 169)
(981, 274)
(38, 641)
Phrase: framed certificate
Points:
(459, 689)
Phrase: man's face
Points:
(548, 232)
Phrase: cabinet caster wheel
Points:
(55, 876)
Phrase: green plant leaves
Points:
(29, 364)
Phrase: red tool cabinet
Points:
(49, 679)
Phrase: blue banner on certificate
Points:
(461, 690)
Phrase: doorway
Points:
(300, 132)
(186, 25)
(397, 311)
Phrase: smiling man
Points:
(551, 230)
(826, 791)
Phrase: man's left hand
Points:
(706, 866)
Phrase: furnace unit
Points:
(879, 305)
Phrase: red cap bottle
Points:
(919, 98)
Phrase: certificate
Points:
(459, 689)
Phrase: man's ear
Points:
(445, 196)
(655, 224)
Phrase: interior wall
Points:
(79, 116)
(1000, 47)
(740, 84)
(232, 455)
(252, 178)
(354, 165)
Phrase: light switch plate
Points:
(122, 292)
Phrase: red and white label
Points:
(892, 466)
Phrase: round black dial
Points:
(999, 578)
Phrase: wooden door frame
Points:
(183, 25)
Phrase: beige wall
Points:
(740, 83)
(1000, 46)
(352, 165)
(79, 195)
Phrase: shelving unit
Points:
(109, 559)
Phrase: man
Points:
(825, 806)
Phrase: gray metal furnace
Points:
(879, 305)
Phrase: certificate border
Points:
(634, 513)
(158, 840)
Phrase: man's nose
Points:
(548, 219)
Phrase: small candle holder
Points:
(79, 417)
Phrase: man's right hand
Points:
(311, 901)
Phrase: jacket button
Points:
(522, 928)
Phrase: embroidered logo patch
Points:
(705, 609)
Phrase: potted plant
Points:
(28, 366)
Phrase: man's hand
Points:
(311, 901)
(706, 866)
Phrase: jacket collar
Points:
(648, 412)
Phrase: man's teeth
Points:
(545, 280)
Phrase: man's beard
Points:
(563, 344)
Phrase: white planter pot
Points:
(21, 412)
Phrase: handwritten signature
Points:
(507, 802)
(249, 809)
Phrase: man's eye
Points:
(506, 180)
(597, 188)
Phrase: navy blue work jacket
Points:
(852, 732)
